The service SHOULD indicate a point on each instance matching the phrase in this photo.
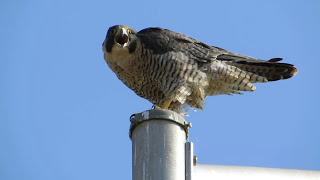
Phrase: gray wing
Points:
(161, 41)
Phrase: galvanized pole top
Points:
(158, 114)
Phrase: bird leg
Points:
(165, 105)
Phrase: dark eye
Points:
(129, 31)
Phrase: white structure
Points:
(160, 152)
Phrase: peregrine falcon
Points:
(172, 70)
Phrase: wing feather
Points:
(161, 41)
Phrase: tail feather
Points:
(272, 70)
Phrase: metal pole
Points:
(196, 171)
(160, 152)
(158, 145)
(213, 172)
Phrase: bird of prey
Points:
(172, 70)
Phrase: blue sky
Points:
(65, 115)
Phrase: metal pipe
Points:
(158, 145)
(190, 160)
(213, 172)
(160, 152)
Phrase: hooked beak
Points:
(121, 37)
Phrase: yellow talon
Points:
(166, 104)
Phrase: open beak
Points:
(121, 37)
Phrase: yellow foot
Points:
(165, 105)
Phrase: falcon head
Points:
(120, 37)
